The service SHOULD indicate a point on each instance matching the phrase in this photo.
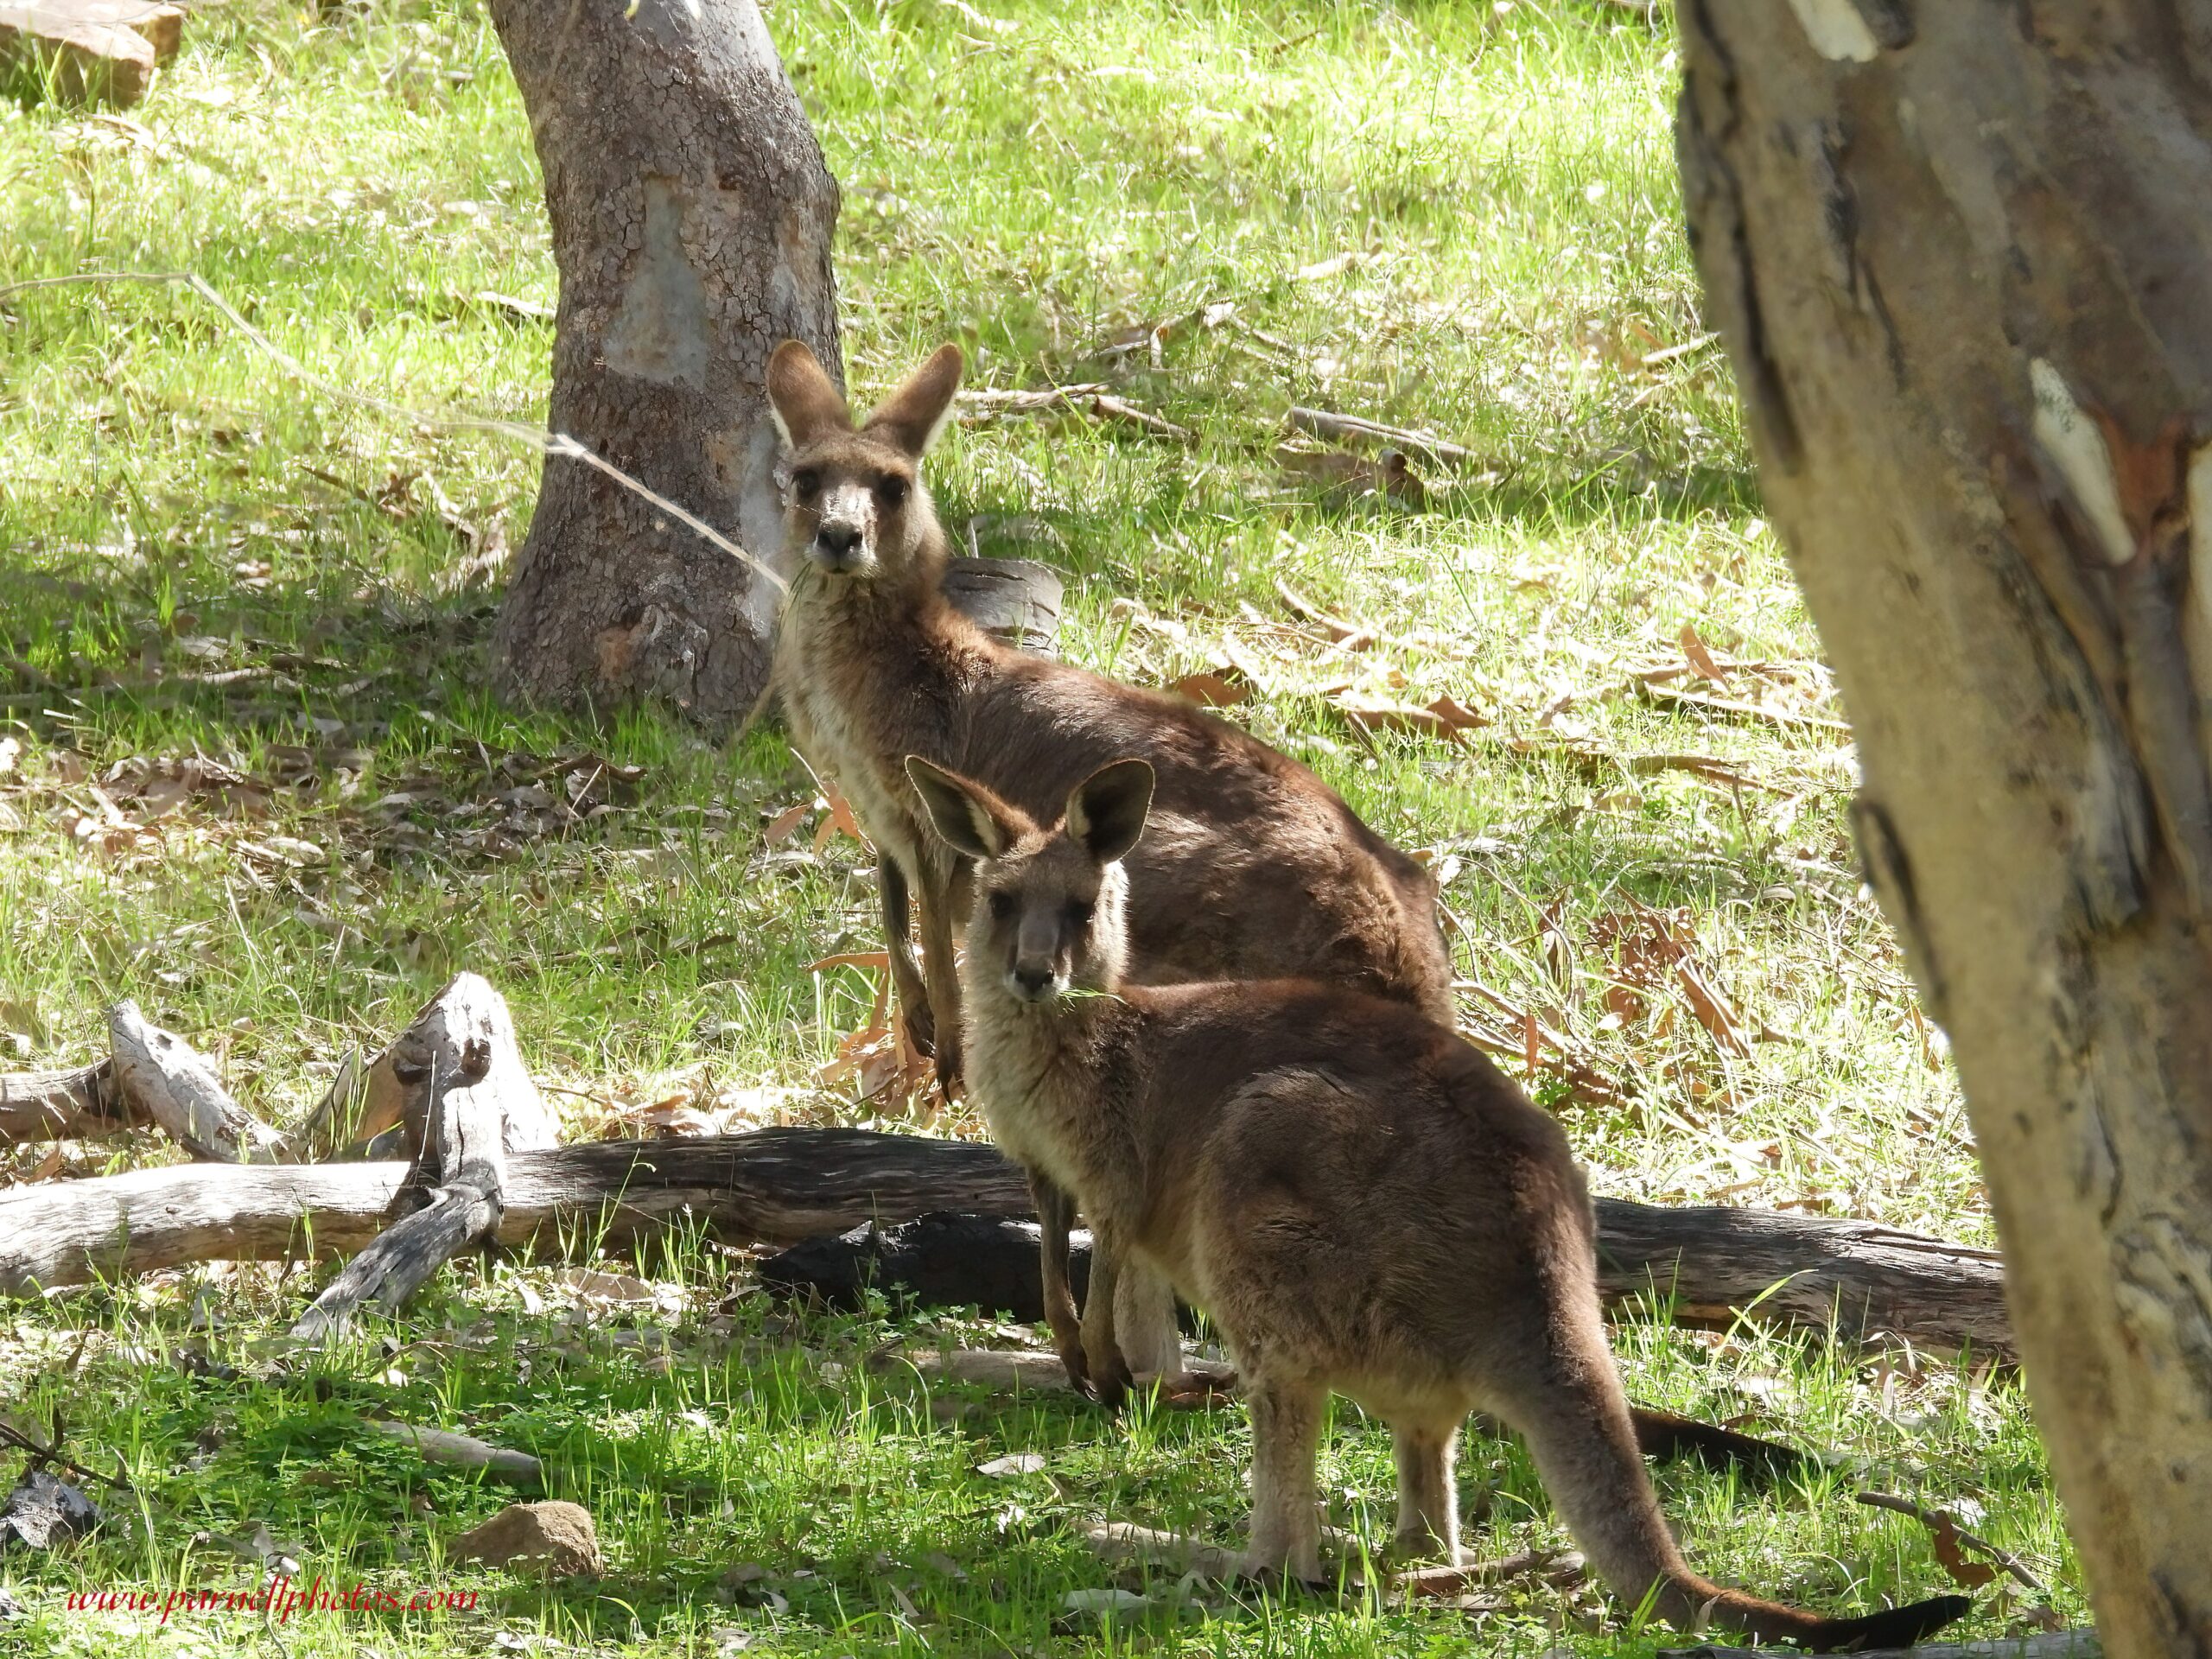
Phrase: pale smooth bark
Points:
(1961, 257)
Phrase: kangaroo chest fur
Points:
(855, 720)
(1048, 1080)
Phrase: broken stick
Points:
(477, 1104)
(159, 1074)
(1373, 434)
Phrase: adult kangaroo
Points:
(1254, 867)
(1358, 1199)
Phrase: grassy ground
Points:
(249, 775)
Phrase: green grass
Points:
(183, 579)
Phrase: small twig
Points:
(548, 443)
(1108, 408)
(1355, 430)
(1938, 1520)
(41, 1455)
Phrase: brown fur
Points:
(1360, 1200)
(1253, 866)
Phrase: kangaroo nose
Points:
(839, 539)
(1031, 978)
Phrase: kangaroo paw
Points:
(1196, 1390)
(1112, 1384)
(1077, 1367)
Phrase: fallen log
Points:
(161, 1077)
(780, 1187)
(80, 1104)
(1016, 601)
(477, 1104)
(775, 1187)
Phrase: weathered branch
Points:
(461, 1060)
(1373, 434)
(465, 1452)
(83, 1104)
(783, 1185)
(158, 1073)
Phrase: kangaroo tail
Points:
(1576, 1421)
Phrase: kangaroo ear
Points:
(1106, 809)
(969, 817)
(912, 416)
(801, 397)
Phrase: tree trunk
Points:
(1962, 260)
(692, 217)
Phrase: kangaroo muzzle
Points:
(842, 533)
(1036, 974)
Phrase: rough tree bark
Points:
(1961, 257)
(692, 216)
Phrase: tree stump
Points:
(87, 51)
(691, 218)
(475, 1103)
(1016, 601)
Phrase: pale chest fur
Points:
(1040, 1097)
(835, 737)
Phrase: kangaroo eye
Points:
(890, 490)
(1080, 911)
(807, 482)
(1002, 905)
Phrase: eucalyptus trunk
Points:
(1961, 257)
(692, 217)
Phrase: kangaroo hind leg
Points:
(1428, 1501)
(1286, 1505)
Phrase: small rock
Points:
(559, 1535)
(937, 1561)
(1103, 1601)
(42, 1511)
(744, 1586)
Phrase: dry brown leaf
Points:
(1456, 714)
(1379, 714)
(1712, 1009)
(780, 827)
(1701, 658)
(841, 820)
(1211, 691)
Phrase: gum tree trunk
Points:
(692, 217)
(1962, 255)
